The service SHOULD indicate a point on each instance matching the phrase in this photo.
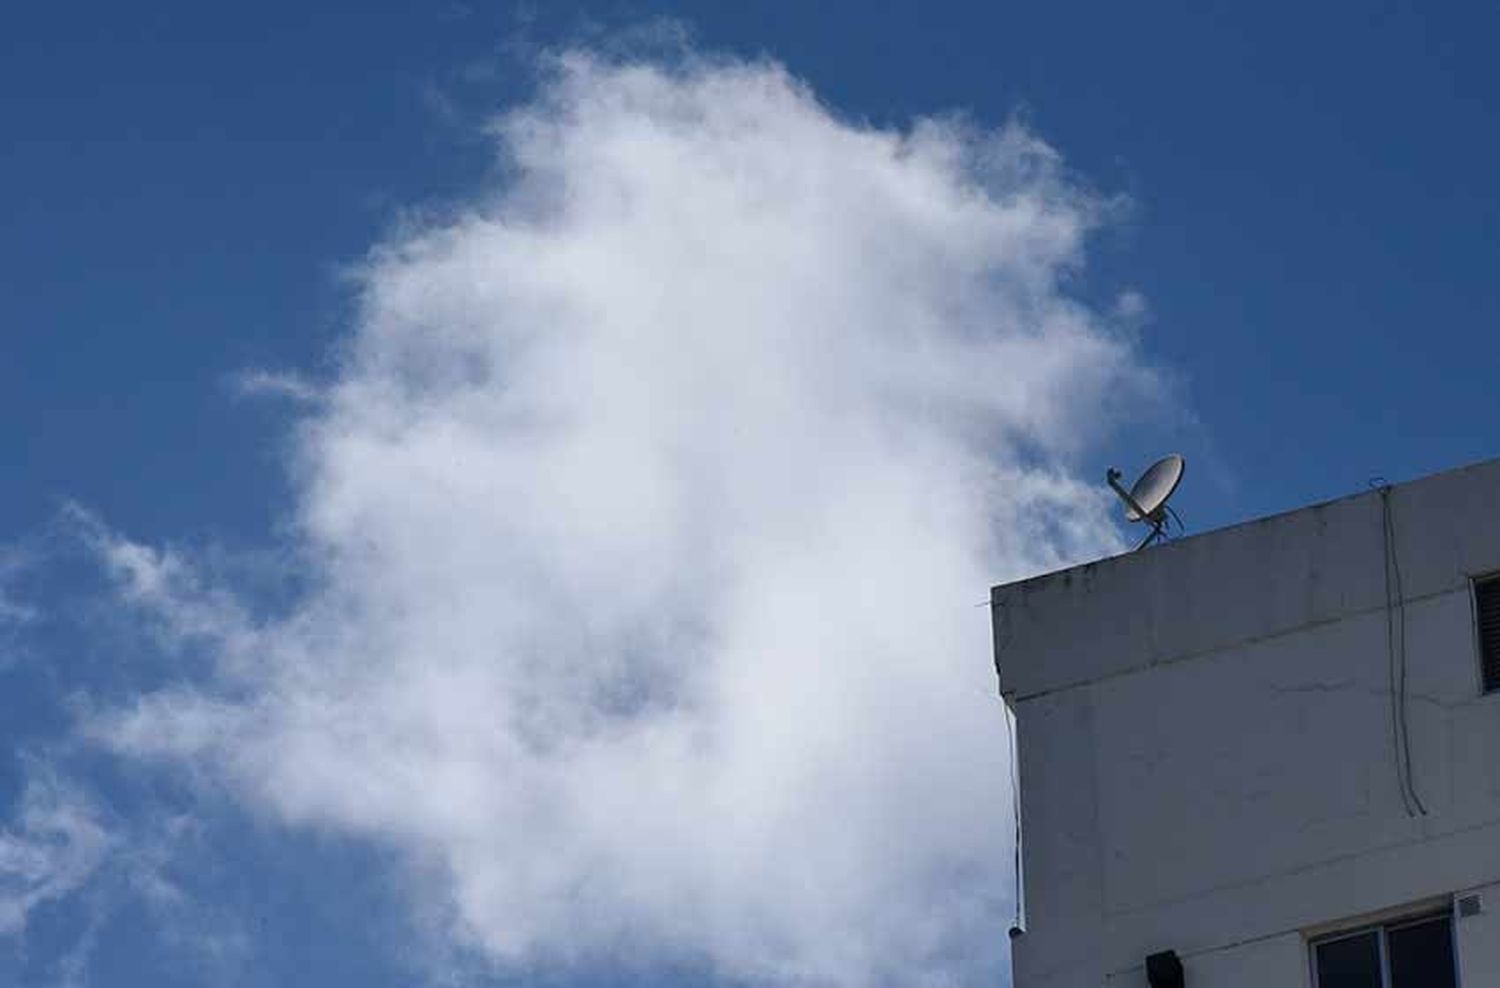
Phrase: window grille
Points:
(1487, 618)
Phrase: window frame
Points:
(1382, 929)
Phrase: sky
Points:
(498, 494)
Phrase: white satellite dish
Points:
(1146, 501)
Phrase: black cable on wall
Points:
(1395, 636)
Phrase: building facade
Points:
(1267, 755)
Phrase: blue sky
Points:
(1303, 197)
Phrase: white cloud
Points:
(648, 513)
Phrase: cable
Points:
(1392, 675)
(1390, 646)
(1401, 651)
(1395, 634)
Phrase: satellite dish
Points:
(1146, 501)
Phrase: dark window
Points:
(1421, 953)
(1350, 962)
(1487, 615)
(1408, 954)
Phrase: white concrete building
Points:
(1212, 760)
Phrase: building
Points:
(1271, 750)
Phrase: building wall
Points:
(1206, 742)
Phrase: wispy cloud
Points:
(647, 513)
(63, 848)
(261, 383)
(14, 612)
(55, 841)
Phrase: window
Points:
(1487, 622)
(1414, 953)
